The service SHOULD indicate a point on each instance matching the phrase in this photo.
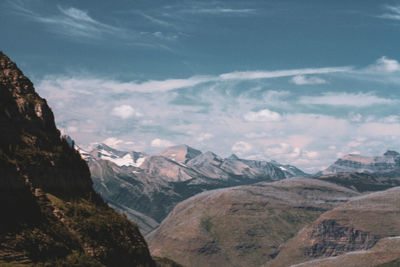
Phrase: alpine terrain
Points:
(51, 216)
(147, 187)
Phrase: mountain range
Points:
(147, 187)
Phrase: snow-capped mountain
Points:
(154, 184)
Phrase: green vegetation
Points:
(206, 224)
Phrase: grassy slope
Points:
(242, 226)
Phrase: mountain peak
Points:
(181, 153)
(233, 156)
(391, 153)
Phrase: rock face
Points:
(151, 185)
(51, 214)
(244, 225)
(361, 227)
(387, 165)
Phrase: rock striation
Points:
(386, 165)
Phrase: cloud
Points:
(81, 83)
(204, 136)
(393, 12)
(301, 80)
(223, 11)
(241, 147)
(161, 143)
(346, 99)
(69, 21)
(125, 112)
(253, 75)
(385, 65)
(264, 115)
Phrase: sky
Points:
(299, 82)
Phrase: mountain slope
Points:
(153, 185)
(244, 225)
(51, 214)
(386, 165)
(357, 230)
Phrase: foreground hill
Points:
(50, 212)
(362, 232)
(147, 187)
(244, 225)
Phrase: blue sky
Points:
(301, 82)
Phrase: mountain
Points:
(244, 225)
(360, 182)
(51, 216)
(386, 165)
(147, 187)
(365, 231)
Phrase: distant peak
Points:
(233, 156)
(181, 153)
(391, 153)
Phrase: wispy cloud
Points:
(264, 115)
(346, 99)
(303, 80)
(252, 75)
(81, 26)
(69, 21)
(172, 84)
(223, 11)
(392, 12)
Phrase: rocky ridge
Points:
(52, 215)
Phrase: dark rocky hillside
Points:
(50, 213)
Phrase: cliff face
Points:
(50, 212)
(362, 232)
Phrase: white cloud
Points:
(161, 143)
(302, 80)
(346, 99)
(393, 12)
(82, 83)
(252, 75)
(242, 147)
(204, 136)
(385, 65)
(113, 142)
(264, 115)
(125, 112)
(220, 10)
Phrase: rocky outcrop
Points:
(329, 238)
(357, 227)
(50, 212)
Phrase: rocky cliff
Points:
(362, 232)
(50, 212)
